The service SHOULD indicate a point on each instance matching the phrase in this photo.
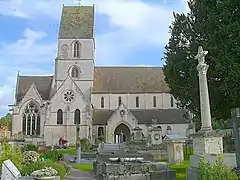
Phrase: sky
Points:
(128, 32)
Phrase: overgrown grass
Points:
(83, 167)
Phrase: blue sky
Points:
(128, 32)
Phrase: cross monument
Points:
(202, 68)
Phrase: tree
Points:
(215, 25)
(6, 121)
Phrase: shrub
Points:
(53, 155)
(30, 156)
(85, 145)
(217, 171)
(31, 147)
(28, 169)
(14, 154)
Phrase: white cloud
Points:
(137, 25)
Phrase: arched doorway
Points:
(121, 134)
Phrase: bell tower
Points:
(76, 47)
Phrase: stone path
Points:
(81, 175)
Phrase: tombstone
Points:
(9, 171)
(138, 134)
(156, 135)
(175, 148)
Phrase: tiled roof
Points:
(162, 116)
(77, 22)
(129, 80)
(42, 83)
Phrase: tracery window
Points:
(31, 120)
(59, 116)
(77, 116)
(75, 72)
(76, 49)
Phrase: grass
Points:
(83, 167)
(181, 169)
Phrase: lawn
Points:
(83, 167)
(181, 169)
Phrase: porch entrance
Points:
(121, 134)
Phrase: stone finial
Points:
(201, 55)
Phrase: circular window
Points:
(68, 96)
(156, 137)
(122, 112)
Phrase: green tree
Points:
(215, 25)
(6, 121)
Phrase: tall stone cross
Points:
(202, 68)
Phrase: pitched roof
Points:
(162, 116)
(77, 22)
(42, 83)
(129, 80)
(100, 117)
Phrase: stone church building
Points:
(104, 101)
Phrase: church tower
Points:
(76, 47)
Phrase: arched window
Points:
(154, 101)
(76, 49)
(119, 100)
(75, 72)
(102, 102)
(137, 101)
(59, 116)
(77, 116)
(100, 131)
(31, 120)
(172, 101)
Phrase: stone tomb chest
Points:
(175, 148)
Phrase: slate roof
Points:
(162, 116)
(129, 80)
(77, 22)
(42, 83)
(106, 80)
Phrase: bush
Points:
(217, 171)
(85, 145)
(31, 147)
(14, 154)
(53, 155)
(28, 169)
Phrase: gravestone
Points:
(9, 171)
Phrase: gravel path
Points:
(81, 175)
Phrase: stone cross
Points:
(202, 68)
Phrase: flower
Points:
(46, 172)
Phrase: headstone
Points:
(156, 136)
(138, 134)
(9, 171)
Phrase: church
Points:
(103, 101)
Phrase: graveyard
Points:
(198, 156)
